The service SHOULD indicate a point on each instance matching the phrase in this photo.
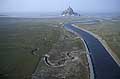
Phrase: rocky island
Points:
(69, 12)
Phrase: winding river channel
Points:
(104, 66)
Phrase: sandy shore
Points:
(114, 56)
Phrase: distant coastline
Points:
(30, 15)
(106, 16)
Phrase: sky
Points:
(59, 5)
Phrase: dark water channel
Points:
(103, 64)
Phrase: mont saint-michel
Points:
(69, 12)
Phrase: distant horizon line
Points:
(59, 12)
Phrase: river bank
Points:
(103, 42)
(91, 70)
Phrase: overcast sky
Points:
(59, 5)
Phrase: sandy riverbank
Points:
(91, 70)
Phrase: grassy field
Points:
(73, 69)
(20, 36)
(17, 40)
(109, 31)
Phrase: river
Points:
(104, 66)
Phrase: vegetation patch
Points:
(24, 43)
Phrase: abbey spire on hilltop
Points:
(69, 12)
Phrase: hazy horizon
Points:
(40, 6)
